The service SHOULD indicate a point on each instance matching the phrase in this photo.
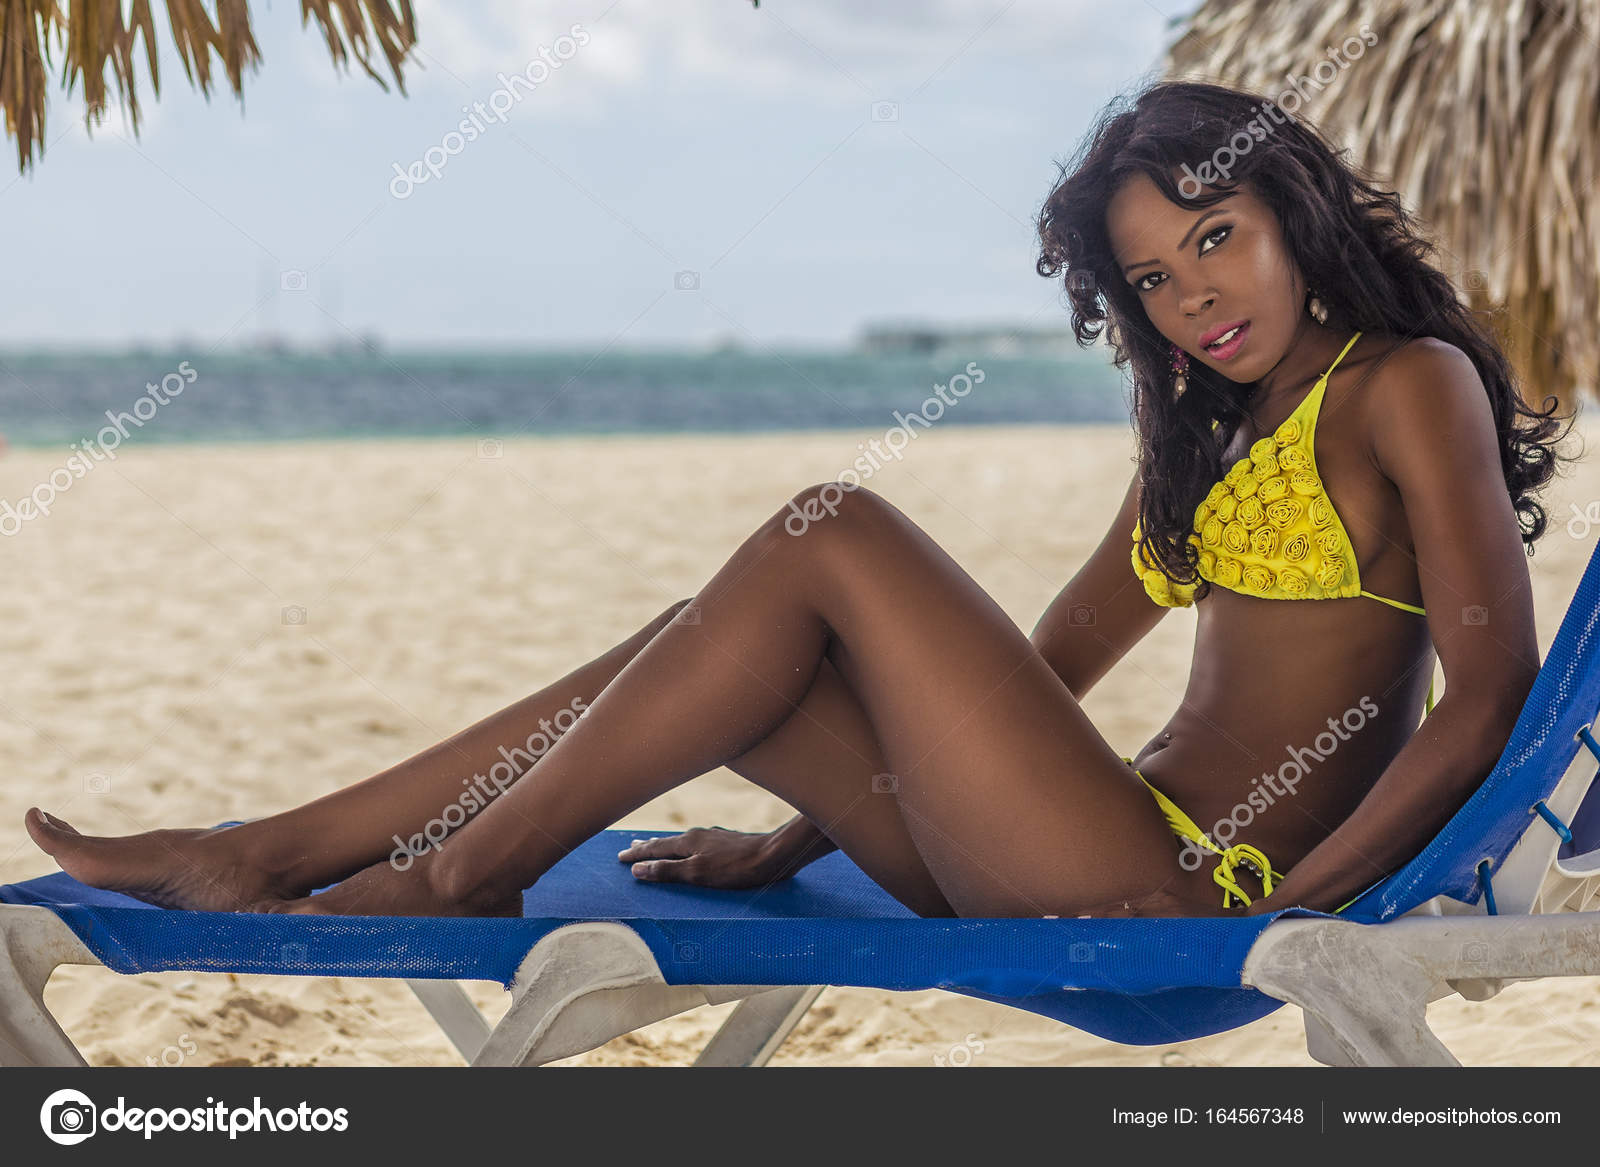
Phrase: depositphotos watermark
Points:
(895, 440)
(69, 1116)
(1286, 101)
(500, 103)
(1280, 783)
(92, 451)
(476, 796)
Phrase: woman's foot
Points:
(383, 890)
(196, 870)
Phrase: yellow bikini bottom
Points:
(1240, 854)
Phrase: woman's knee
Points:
(671, 614)
(828, 506)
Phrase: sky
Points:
(658, 175)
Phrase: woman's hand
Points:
(708, 857)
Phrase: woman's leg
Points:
(321, 842)
(825, 749)
(823, 761)
(1014, 801)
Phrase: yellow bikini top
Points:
(1268, 529)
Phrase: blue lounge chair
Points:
(1502, 894)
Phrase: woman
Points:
(845, 663)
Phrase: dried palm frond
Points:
(1487, 119)
(96, 33)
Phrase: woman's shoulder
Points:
(1416, 386)
(1420, 368)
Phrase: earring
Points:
(1180, 369)
(1319, 310)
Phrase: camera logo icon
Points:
(1082, 615)
(689, 615)
(294, 614)
(1475, 614)
(686, 281)
(686, 951)
(491, 448)
(96, 783)
(293, 280)
(293, 953)
(885, 111)
(885, 784)
(67, 1117)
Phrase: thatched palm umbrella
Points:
(1487, 119)
(95, 33)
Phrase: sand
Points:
(157, 681)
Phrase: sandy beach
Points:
(156, 680)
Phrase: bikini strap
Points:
(1340, 357)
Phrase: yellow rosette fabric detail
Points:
(1235, 539)
(1235, 472)
(1287, 434)
(1251, 513)
(1297, 549)
(1321, 511)
(1264, 541)
(1247, 485)
(1292, 581)
(1329, 543)
(1219, 491)
(1226, 507)
(1284, 511)
(1208, 563)
(1292, 459)
(1331, 573)
(1274, 488)
(1228, 571)
(1267, 467)
(1305, 482)
(1211, 533)
(1262, 449)
(1257, 578)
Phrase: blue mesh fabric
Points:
(1564, 697)
(1134, 981)
(1140, 982)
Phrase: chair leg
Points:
(1365, 1000)
(1368, 985)
(460, 1019)
(758, 1026)
(583, 985)
(33, 941)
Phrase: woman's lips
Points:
(1227, 351)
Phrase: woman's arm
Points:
(1433, 436)
(796, 843)
(718, 857)
(1103, 611)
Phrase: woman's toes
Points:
(46, 830)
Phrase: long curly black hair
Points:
(1354, 243)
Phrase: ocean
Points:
(56, 398)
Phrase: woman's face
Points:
(1200, 270)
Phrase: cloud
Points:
(835, 51)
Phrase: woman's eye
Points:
(1225, 231)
